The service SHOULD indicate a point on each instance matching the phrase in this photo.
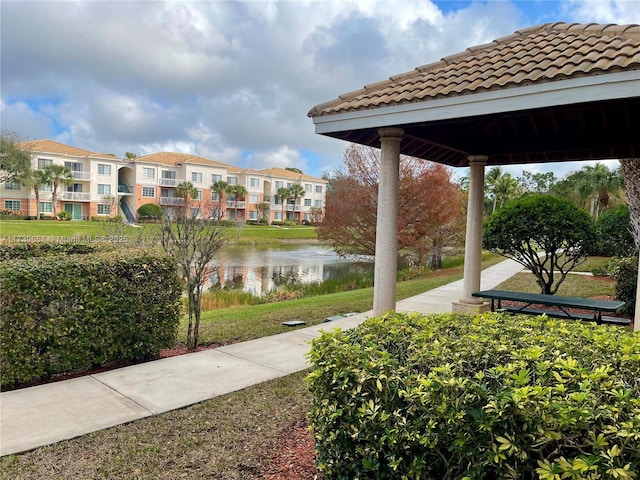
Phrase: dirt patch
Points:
(294, 457)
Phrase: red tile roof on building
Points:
(545, 53)
(50, 146)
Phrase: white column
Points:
(386, 259)
(473, 242)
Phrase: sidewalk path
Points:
(45, 414)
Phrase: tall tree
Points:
(194, 244)
(296, 191)
(501, 187)
(60, 175)
(220, 189)
(236, 192)
(428, 198)
(13, 161)
(284, 194)
(535, 224)
(630, 170)
(130, 155)
(35, 178)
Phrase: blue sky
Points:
(230, 80)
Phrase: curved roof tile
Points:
(539, 54)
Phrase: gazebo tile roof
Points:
(545, 53)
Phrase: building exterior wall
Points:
(101, 183)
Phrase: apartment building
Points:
(105, 185)
(92, 192)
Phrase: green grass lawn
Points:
(57, 231)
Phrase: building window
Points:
(307, 217)
(232, 180)
(12, 185)
(318, 203)
(318, 188)
(148, 172)
(196, 177)
(307, 187)
(278, 200)
(215, 196)
(195, 212)
(104, 169)
(12, 205)
(279, 184)
(307, 202)
(254, 182)
(73, 166)
(46, 207)
(104, 189)
(253, 215)
(289, 184)
(104, 209)
(277, 215)
(46, 187)
(216, 178)
(198, 195)
(44, 162)
(149, 192)
(254, 198)
(76, 187)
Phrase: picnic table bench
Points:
(564, 306)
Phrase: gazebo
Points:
(552, 93)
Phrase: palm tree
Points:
(630, 170)
(236, 191)
(284, 193)
(296, 191)
(501, 186)
(505, 188)
(220, 188)
(59, 174)
(130, 155)
(35, 179)
(594, 183)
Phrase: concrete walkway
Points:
(45, 414)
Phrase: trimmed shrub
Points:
(22, 251)
(150, 211)
(625, 272)
(614, 232)
(455, 396)
(66, 313)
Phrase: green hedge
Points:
(484, 397)
(71, 312)
(31, 249)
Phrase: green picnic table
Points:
(565, 306)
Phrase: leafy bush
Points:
(614, 233)
(26, 250)
(71, 312)
(8, 214)
(484, 397)
(150, 211)
(625, 271)
(64, 215)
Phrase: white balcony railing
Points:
(171, 201)
(75, 196)
(81, 175)
(232, 204)
(170, 182)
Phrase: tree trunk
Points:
(630, 168)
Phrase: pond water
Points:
(259, 269)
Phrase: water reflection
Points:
(260, 269)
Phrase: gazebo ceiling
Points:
(552, 93)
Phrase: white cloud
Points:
(222, 78)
